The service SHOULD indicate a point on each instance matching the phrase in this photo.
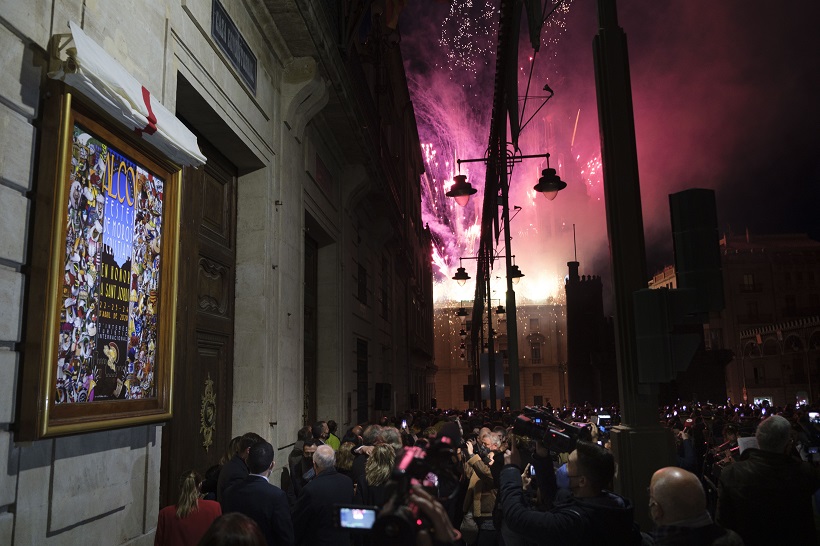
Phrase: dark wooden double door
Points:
(200, 429)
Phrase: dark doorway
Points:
(311, 312)
(200, 429)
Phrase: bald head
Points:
(774, 434)
(675, 495)
(324, 458)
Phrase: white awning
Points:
(95, 74)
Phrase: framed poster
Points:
(104, 279)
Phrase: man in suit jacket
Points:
(260, 500)
(314, 518)
(236, 469)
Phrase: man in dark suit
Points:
(258, 499)
(314, 519)
(236, 469)
(302, 471)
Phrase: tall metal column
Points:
(640, 445)
(512, 320)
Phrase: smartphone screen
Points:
(404, 423)
(351, 517)
(532, 470)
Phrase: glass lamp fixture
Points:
(461, 190)
(515, 274)
(549, 184)
(461, 276)
(462, 314)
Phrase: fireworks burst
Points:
(452, 106)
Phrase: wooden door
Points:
(200, 429)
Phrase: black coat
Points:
(314, 517)
(266, 504)
(605, 519)
(767, 498)
(234, 471)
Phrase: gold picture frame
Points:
(101, 301)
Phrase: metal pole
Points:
(490, 341)
(640, 445)
(512, 321)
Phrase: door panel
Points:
(196, 436)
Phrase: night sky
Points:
(726, 96)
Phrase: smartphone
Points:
(532, 471)
(814, 417)
(404, 423)
(354, 518)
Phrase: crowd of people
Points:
(744, 475)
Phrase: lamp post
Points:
(549, 185)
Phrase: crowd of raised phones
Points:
(743, 474)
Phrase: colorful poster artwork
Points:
(108, 316)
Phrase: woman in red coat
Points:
(186, 522)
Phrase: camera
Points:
(355, 518)
(556, 435)
(434, 469)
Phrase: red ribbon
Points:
(151, 127)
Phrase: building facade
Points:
(542, 360)
(771, 324)
(593, 373)
(303, 264)
(765, 344)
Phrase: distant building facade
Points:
(591, 363)
(542, 355)
(768, 335)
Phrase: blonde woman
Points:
(185, 523)
(377, 472)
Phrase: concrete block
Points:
(6, 528)
(8, 480)
(98, 476)
(154, 452)
(11, 299)
(253, 310)
(17, 142)
(8, 385)
(14, 209)
(251, 276)
(111, 25)
(20, 85)
(30, 19)
(249, 388)
(248, 349)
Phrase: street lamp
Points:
(462, 314)
(515, 274)
(461, 277)
(461, 190)
(550, 183)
